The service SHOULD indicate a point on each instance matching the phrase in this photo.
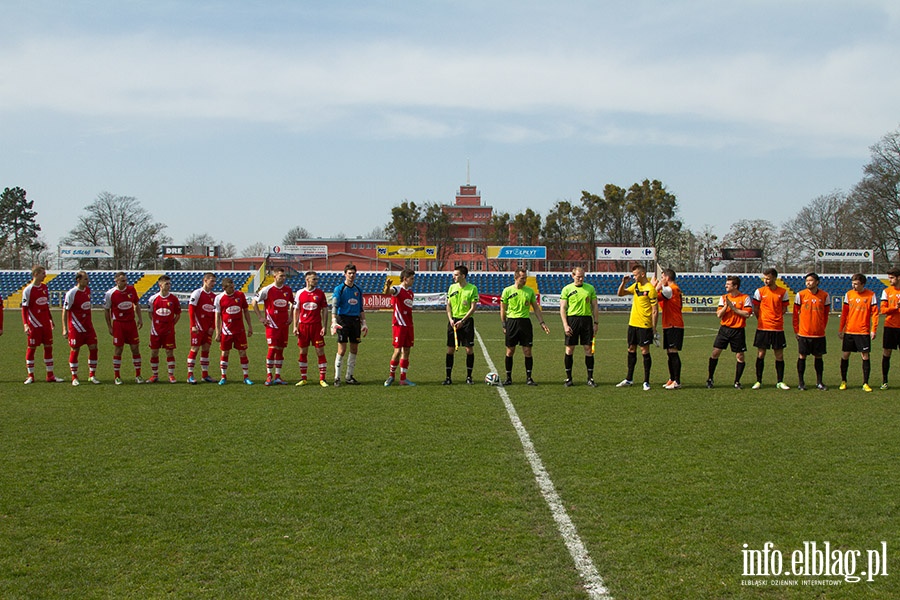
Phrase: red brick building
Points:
(471, 220)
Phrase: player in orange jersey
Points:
(770, 302)
(811, 309)
(669, 295)
(734, 309)
(890, 308)
(859, 322)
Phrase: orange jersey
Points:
(729, 317)
(670, 301)
(770, 306)
(859, 314)
(890, 306)
(811, 313)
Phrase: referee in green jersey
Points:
(462, 298)
(580, 317)
(515, 303)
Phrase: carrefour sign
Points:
(625, 253)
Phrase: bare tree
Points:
(255, 250)
(120, 222)
(294, 235)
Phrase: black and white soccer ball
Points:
(492, 379)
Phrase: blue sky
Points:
(243, 119)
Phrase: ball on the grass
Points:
(492, 379)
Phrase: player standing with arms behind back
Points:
(164, 309)
(811, 309)
(770, 302)
(859, 322)
(202, 314)
(403, 335)
(277, 298)
(310, 313)
(38, 324)
(232, 311)
(78, 326)
(124, 319)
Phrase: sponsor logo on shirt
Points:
(163, 312)
(42, 302)
(409, 302)
(125, 305)
(281, 303)
(310, 305)
(208, 308)
(86, 305)
(233, 310)
(353, 302)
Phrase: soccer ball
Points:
(492, 379)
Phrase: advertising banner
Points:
(517, 252)
(301, 251)
(842, 255)
(625, 253)
(86, 252)
(404, 252)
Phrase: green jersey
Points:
(461, 299)
(517, 301)
(579, 299)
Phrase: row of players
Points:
(225, 318)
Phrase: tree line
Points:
(643, 214)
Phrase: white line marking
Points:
(593, 583)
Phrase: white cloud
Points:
(843, 94)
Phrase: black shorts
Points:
(582, 331)
(519, 332)
(639, 336)
(814, 346)
(465, 333)
(350, 331)
(765, 339)
(856, 342)
(736, 337)
(673, 338)
(890, 339)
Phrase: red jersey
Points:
(202, 309)
(164, 311)
(121, 303)
(402, 303)
(859, 313)
(231, 309)
(670, 305)
(310, 305)
(770, 306)
(811, 313)
(890, 306)
(77, 304)
(277, 301)
(36, 306)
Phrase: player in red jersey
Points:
(890, 336)
(164, 309)
(123, 319)
(310, 313)
(78, 326)
(202, 314)
(38, 324)
(859, 323)
(403, 333)
(231, 307)
(277, 298)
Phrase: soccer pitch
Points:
(149, 491)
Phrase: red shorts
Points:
(310, 334)
(163, 339)
(201, 338)
(277, 337)
(404, 337)
(78, 339)
(238, 341)
(125, 332)
(40, 336)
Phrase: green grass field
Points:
(181, 491)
